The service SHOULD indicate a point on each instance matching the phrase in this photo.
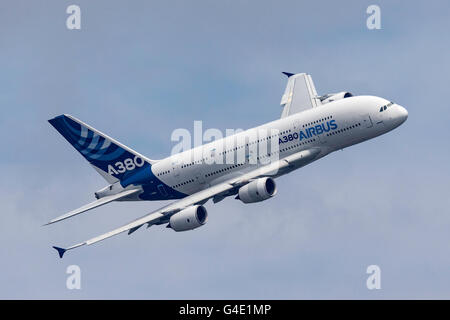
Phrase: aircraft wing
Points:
(95, 204)
(273, 169)
(155, 216)
(300, 94)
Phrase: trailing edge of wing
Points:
(95, 204)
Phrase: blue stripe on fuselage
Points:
(154, 189)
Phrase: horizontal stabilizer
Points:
(95, 204)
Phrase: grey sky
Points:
(139, 70)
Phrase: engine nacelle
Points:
(335, 96)
(257, 190)
(189, 218)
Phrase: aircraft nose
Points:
(402, 113)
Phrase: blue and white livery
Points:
(244, 165)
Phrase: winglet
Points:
(288, 74)
(61, 251)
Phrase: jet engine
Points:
(335, 96)
(257, 190)
(188, 219)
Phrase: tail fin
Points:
(110, 158)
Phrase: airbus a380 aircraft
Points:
(310, 128)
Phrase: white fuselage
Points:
(353, 120)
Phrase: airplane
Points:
(310, 127)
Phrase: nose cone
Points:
(402, 114)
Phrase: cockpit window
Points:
(386, 106)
